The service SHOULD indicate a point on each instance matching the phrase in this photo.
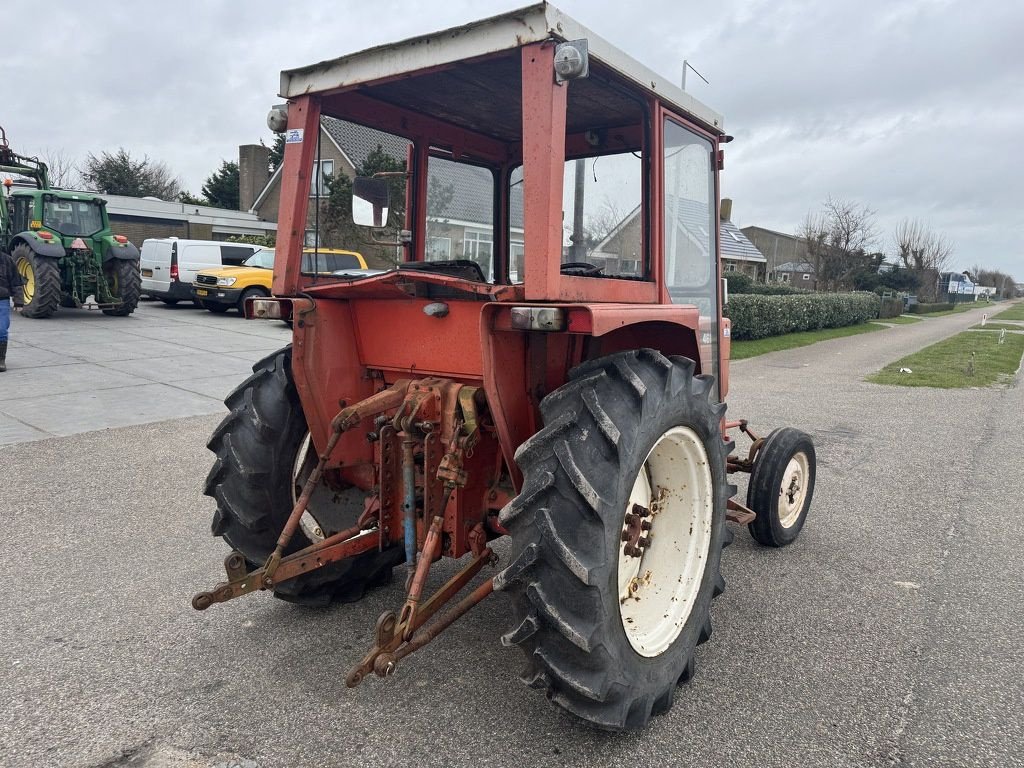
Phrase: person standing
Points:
(11, 287)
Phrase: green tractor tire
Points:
(125, 282)
(41, 277)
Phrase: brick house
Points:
(358, 143)
(778, 249)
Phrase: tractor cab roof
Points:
(469, 76)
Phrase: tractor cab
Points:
(528, 156)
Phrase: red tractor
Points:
(548, 361)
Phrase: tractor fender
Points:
(125, 251)
(50, 249)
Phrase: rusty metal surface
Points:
(431, 549)
(338, 547)
(388, 637)
(739, 513)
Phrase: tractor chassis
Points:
(440, 417)
(737, 512)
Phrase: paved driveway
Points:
(80, 371)
(889, 634)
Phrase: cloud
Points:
(914, 108)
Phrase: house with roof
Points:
(779, 248)
(344, 147)
(616, 251)
(739, 253)
(799, 274)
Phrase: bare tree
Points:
(851, 225)
(837, 240)
(62, 169)
(924, 252)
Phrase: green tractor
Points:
(62, 244)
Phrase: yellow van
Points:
(218, 290)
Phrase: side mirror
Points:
(371, 199)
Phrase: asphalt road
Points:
(889, 634)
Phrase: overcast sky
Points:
(913, 107)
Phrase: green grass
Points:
(991, 326)
(744, 349)
(945, 364)
(901, 319)
(1016, 312)
(956, 311)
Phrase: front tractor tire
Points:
(41, 276)
(263, 458)
(781, 487)
(617, 536)
(125, 282)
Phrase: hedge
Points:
(924, 309)
(757, 317)
(740, 283)
(891, 307)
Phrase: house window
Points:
(310, 239)
(807, 276)
(318, 181)
(439, 248)
(785, 277)
(478, 245)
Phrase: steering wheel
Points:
(581, 269)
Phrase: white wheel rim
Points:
(658, 589)
(793, 490)
(305, 462)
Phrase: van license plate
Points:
(147, 273)
(201, 292)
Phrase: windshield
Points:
(261, 259)
(73, 217)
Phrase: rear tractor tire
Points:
(125, 282)
(263, 458)
(781, 487)
(41, 276)
(617, 536)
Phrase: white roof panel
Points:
(514, 29)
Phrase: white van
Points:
(169, 264)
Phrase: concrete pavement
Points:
(80, 371)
